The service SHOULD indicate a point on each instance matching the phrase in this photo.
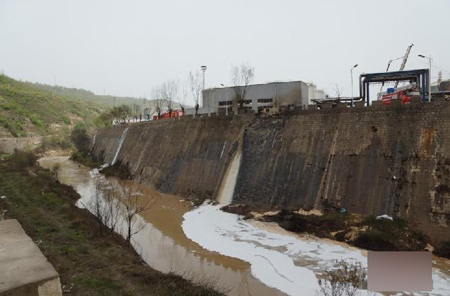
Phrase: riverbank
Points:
(361, 231)
(365, 232)
(88, 264)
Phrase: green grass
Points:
(88, 264)
(25, 108)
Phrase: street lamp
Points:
(429, 75)
(203, 68)
(351, 77)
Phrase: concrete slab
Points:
(23, 268)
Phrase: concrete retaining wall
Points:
(378, 160)
(7, 145)
(186, 157)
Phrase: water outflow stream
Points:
(247, 258)
(228, 185)
(122, 139)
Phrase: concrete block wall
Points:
(7, 145)
(375, 160)
(185, 157)
(24, 269)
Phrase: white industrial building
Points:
(258, 97)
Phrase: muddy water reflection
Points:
(163, 244)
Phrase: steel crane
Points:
(405, 58)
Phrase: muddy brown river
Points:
(163, 244)
(241, 257)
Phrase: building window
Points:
(265, 100)
(226, 103)
(247, 101)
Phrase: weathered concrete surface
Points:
(186, 157)
(23, 268)
(379, 160)
(7, 145)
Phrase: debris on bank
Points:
(381, 233)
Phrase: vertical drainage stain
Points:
(324, 184)
(122, 139)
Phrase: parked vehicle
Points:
(173, 114)
(405, 94)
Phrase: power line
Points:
(448, 72)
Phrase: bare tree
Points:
(148, 111)
(195, 85)
(104, 205)
(169, 91)
(182, 98)
(338, 91)
(157, 98)
(241, 77)
(96, 206)
(134, 203)
(344, 279)
(136, 109)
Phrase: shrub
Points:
(22, 159)
(397, 224)
(376, 240)
(35, 120)
(80, 138)
(343, 279)
(444, 249)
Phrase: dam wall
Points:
(391, 160)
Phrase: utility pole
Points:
(429, 75)
(203, 68)
(351, 75)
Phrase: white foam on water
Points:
(272, 256)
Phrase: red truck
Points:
(173, 114)
(404, 93)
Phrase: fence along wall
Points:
(378, 160)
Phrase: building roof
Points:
(257, 84)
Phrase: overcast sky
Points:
(126, 47)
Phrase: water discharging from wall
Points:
(245, 257)
(93, 143)
(122, 139)
(226, 191)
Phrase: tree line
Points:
(171, 94)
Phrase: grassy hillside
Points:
(29, 110)
(88, 96)
(39, 109)
(105, 102)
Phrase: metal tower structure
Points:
(405, 59)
